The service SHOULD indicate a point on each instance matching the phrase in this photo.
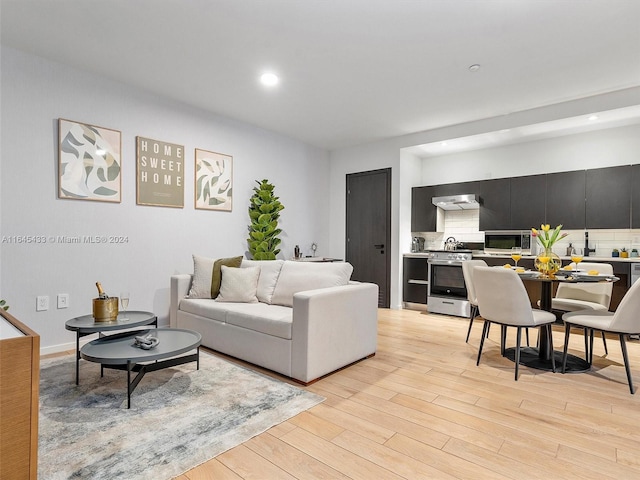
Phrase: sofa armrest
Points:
(180, 285)
(333, 327)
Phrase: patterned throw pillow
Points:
(239, 285)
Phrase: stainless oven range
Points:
(447, 292)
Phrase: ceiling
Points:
(352, 71)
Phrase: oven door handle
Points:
(444, 262)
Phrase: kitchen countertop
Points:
(565, 257)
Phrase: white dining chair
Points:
(467, 272)
(503, 299)
(571, 297)
(624, 321)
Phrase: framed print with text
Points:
(213, 181)
(89, 162)
(160, 173)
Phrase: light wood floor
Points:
(421, 408)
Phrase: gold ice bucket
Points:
(105, 309)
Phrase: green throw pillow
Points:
(216, 277)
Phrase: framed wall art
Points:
(213, 181)
(89, 162)
(160, 173)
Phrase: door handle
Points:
(379, 245)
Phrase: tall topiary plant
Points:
(264, 211)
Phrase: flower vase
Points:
(547, 262)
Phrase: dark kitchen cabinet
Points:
(423, 212)
(495, 204)
(528, 200)
(635, 196)
(608, 194)
(566, 200)
(415, 280)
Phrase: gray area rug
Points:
(179, 418)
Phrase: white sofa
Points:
(309, 319)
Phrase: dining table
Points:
(540, 356)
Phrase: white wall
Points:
(596, 149)
(35, 93)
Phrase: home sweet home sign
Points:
(160, 173)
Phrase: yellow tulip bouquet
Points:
(548, 238)
(547, 262)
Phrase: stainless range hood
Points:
(457, 202)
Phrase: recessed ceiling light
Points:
(474, 68)
(593, 117)
(269, 79)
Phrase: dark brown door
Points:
(369, 229)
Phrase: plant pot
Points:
(624, 254)
(615, 254)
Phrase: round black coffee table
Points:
(87, 325)
(119, 352)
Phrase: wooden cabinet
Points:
(566, 200)
(415, 280)
(635, 196)
(19, 387)
(495, 204)
(608, 197)
(423, 213)
(528, 201)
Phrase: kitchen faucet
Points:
(587, 250)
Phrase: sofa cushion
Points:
(272, 320)
(297, 276)
(239, 285)
(207, 276)
(205, 308)
(269, 272)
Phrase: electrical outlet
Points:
(42, 303)
(63, 300)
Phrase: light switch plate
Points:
(42, 303)
(63, 300)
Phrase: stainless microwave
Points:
(501, 242)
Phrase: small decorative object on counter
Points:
(624, 253)
(569, 250)
(105, 309)
(634, 252)
(615, 253)
(296, 252)
(314, 247)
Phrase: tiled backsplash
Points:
(463, 225)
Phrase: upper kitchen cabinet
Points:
(635, 197)
(495, 204)
(608, 196)
(528, 196)
(423, 212)
(566, 200)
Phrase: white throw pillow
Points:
(239, 285)
(269, 272)
(297, 276)
(202, 273)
